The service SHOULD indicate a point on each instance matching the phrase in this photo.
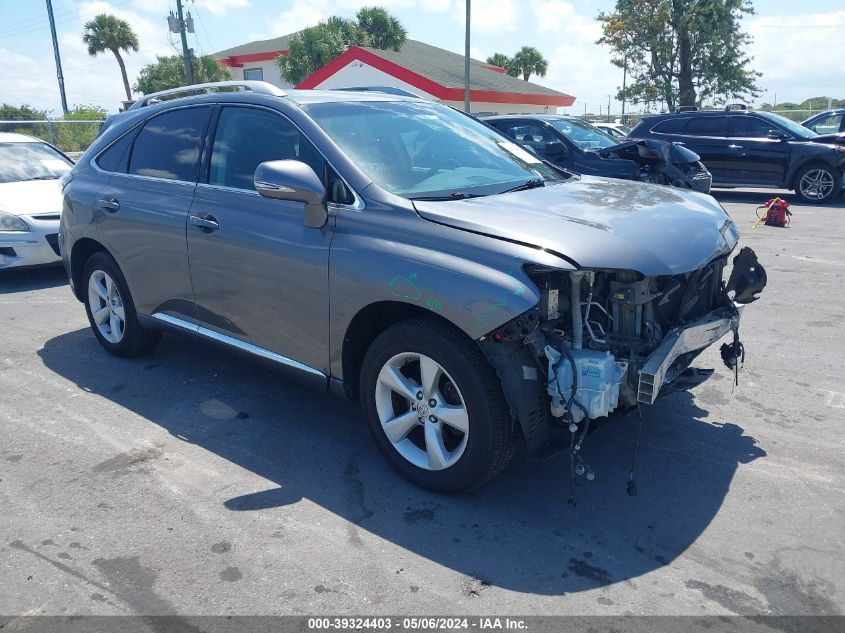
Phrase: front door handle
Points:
(108, 204)
(206, 223)
(735, 147)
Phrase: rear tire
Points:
(459, 433)
(111, 311)
(818, 183)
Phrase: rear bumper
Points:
(36, 247)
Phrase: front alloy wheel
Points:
(421, 411)
(435, 406)
(818, 184)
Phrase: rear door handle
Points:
(108, 204)
(735, 147)
(206, 223)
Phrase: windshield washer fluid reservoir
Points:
(599, 375)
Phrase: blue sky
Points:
(799, 47)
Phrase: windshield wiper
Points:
(455, 195)
(533, 183)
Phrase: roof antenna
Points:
(632, 486)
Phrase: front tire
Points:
(111, 311)
(435, 406)
(818, 184)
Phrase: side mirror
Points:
(555, 148)
(777, 135)
(294, 180)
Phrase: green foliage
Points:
(77, 136)
(108, 33)
(21, 113)
(169, 72)
(86, 113)
(681, 52)
(527, 61)
(385, 30)
(314, 47)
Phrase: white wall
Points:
(270, 69)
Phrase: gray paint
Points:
(267, 280)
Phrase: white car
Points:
(30, 200)
(616, 131)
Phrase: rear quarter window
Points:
(116, 156)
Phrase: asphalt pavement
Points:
(193, 482)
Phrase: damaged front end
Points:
(664, 163)
(607, 341)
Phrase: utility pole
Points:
(608, 108)
(59, 74)
(624, 79)
(186, 52)
(466, 64)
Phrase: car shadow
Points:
(28, 279)
(761, 196)
(516, 532)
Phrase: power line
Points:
(100, 61)
(41, 27)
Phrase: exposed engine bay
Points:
(663, 163)
(607, 341)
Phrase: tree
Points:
(499, 59)
(527, 61)
(169, 72)
(385, 30)
(314, 47)
(77, 136)
(682, 52)
(21, 113)
(108, 33)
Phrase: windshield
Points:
(583, 134)
(31, 161)
(427, 150)
(796, 129)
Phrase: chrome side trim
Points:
(241, 345)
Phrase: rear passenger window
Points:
(670, 126)
(705, 126)
(168, 146)
(116, 156)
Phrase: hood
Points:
(31, 197)
(601, 223)
(673, 153)
(831, 139)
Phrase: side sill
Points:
(300, 371)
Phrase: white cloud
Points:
(222, 7)
(490, 16)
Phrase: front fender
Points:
(475, 282)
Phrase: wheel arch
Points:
(82, 249)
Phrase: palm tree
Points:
(526, 62)
(384, 29)
(108, 33)
(499, 59)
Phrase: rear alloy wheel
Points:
(111, 311)
(818, 184)
(435, 406)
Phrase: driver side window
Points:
(247, 137)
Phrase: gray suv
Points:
(398, 252)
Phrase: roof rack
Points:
(736, 107)
(686, 109)
(260, 87)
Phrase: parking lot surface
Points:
(193, 482)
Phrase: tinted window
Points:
(750, 127)
(116, 156)
(705, 126)
(246, 137)
(168, 146)
(670, 126)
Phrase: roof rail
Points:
(736, 107)
(260, 87)
(687, 109)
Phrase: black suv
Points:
(754, 149)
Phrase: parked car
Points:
(30, 200)
(829, 125)
(582, 148)
(745, 148)
(401, 253)
(616, 131)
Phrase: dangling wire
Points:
(632, 486)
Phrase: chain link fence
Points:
(72, 137)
